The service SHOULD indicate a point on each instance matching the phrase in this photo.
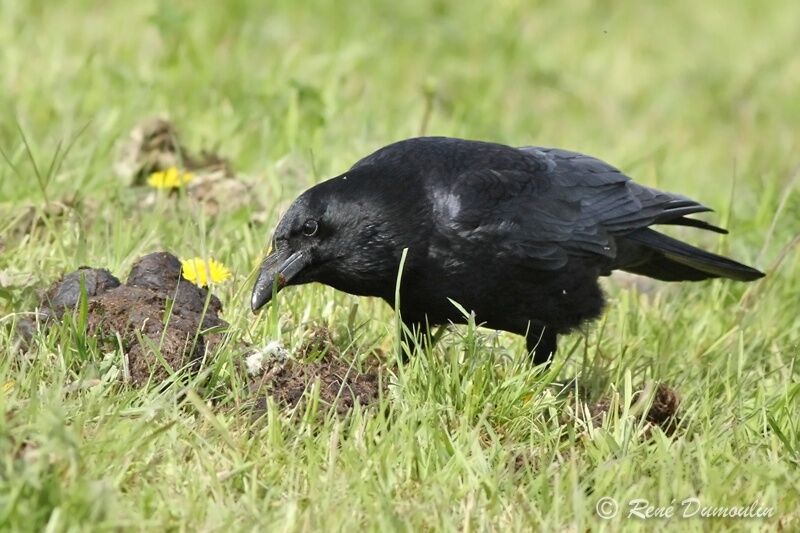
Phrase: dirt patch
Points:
(319, 343)
(20, 220)
(342, 383)
(161, 321)
(662, 413)
(154, 145)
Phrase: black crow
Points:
(519, 236)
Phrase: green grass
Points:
(698, 98)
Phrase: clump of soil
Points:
(662, 413)
(154, 145)
(342, 383)
(156, 314)
(664, 410)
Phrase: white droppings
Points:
(256, 361)
(564, 292)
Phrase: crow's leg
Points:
(542, 342)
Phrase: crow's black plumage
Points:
(519, 236)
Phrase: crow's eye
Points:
(310, 228)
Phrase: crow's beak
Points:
(277, 271)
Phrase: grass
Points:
(698, 98)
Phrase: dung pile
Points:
(154, 145)
(156, 317)
(287, 379)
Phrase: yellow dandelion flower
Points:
(172, 178)
(200, 272)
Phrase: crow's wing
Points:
(559, 205)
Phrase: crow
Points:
(516, 236)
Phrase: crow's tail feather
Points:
(673, 260)
(695, 223)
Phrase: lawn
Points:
(699, 98)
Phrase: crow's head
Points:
(347, 232)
